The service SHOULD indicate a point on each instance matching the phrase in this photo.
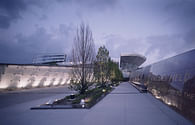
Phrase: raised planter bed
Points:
(84, 101)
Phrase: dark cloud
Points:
(169, 45)
(117, 45)
(190, 38)
(11, 10)
(22, 49)
(4, 22)
(156, 29)
(43, 17)
(164, 44)
(156, 47)
(97, 5)
(182, 12)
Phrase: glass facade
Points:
(172, 81)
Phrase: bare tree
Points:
(83, 56)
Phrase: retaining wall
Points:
(30, 76)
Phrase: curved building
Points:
(130, 62)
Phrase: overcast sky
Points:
(157, 29)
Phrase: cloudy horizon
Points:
(156, 29)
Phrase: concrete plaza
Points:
(123, 106)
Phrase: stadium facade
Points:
(50, 59)
(130, 62)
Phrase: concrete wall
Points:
(30, 76)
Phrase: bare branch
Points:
(83, 55)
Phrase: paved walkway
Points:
(127, 106)
(123, 106)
